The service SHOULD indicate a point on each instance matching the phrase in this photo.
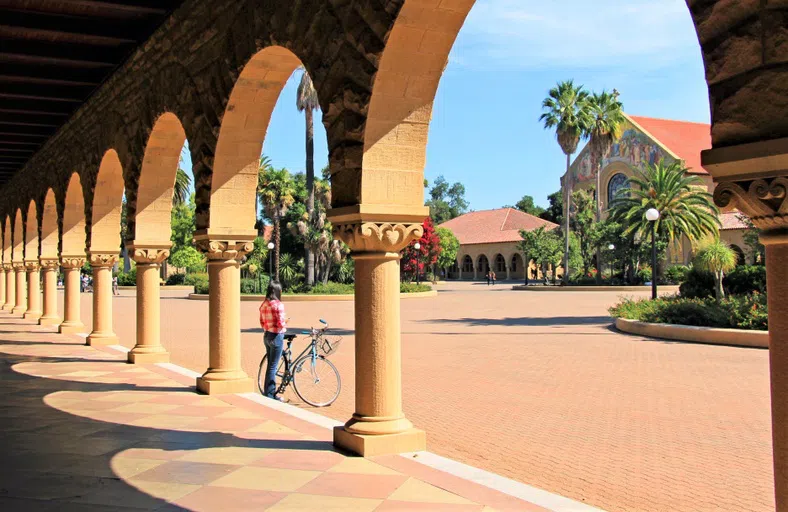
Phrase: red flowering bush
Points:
(426, 256)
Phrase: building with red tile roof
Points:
(488, 241)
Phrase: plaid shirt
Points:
(272, 316)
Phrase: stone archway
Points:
(72, 253)
(8, 284)
(33, 310)
(48, 260)
(517, 267)
(18, 263)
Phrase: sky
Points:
(485, 131)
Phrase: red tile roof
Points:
(494, 226)
(685, 139)
(732, 220)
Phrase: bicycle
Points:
(315, 379)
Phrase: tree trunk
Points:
(309, 257)
(126, 261)
(567, 204)
(276, 249)
(719, 291)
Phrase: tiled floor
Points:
(84, 431)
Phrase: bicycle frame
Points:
(287, 354)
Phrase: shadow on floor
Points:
(523, 321)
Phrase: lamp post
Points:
(271, 260)
(417, 246)
(652, 215)
(611, 247)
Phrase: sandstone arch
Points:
(18, 238)
(73, 230)
(233, 196)
(31, 233)
(7, 241)
(49, 238)
(107, 204)
(156, 182)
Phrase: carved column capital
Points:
(763, 200)
(18, 265)
(47, 263)
(216, 250)
(148, 255)
(378, 236)
(103, 259)
(32, 265)
(72, 262)
(7, 267)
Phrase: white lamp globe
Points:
(417, 246)
(611, 247)
(270, 245)
(652, 214)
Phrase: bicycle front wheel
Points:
(316, 381)
(280, 374)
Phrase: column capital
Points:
(103, 259)
(149, 254)
(370, 236)
(223, 249)
(32, 265)
(18, 265)
(71, 262)
(52, 263)
(6, 267)
(763, 200)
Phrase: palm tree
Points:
(182, 188)
(717, 257)
(606, 121)
(275, 190)
(307, 102)
(685, 207)
(565, 110)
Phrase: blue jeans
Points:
(274, 344)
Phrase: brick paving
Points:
(84, 431)
(537, 387)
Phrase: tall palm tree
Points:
(715, 256)
(606, 121)
(307, 102)
(685, 207)
(275, 190)
(565, 110)
(182, 189)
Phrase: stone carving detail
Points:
(32, 265)
(763, 200)
(71, 262)
(149, 255)
(224, 249)
(377, 236)
(47, 263)
(103, 259)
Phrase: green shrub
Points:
(199, 280)
(738, 312)
(677, 273)
(255, 285)
(697, 285)
(746, 279)
(413, 288)
(128, 278)
(331, 288)
(643, 275)
(176, 279)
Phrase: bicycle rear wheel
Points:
(281, 371)
(318, 384)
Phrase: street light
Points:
(270, 259)
(652, 215)
(417, 246)
(610, 248)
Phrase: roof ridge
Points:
(669, 120)
(503, 224)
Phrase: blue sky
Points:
(485, 130)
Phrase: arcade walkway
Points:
(83, 430)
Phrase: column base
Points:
(8, 307)
(32, 315)
(144, 357)
(19, 310)
(211, 386)
(71, 328)
(49, 320)
(413, 440)
(102, 339)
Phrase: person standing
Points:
(274, 324)
(115, 285)
(492, 277)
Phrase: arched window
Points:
(467, 264)
(514, 263)
(617, 182)
(500, 263)
(484, 264)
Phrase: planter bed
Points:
(693, 334)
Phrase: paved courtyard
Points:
(537, 387)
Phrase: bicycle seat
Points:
(290, 337)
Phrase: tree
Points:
(555, 210)
(543, 246)
(307, 102)
(685, 206)
(182, 189)
(275, 191)
(449, 247)
(314, 232)
(447, 201)
(565, 111)
(752, 239)
(715, 256)
(606, 121)
(526, 204)
(188, 258)
(415, 261)
(583, 223)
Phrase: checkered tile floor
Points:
(83, 430)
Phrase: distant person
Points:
(274, 324)
(487, 276)
(492, 277)
(115, 285)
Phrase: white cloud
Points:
(579, 33)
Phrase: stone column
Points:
(20, 304)
(2, 286)
(378, 426)
(508, 271)
(10, 288)
(71, 273)
(102, 333)
(33, 290)
(224, 374)
(49, 267)
(148, 348)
